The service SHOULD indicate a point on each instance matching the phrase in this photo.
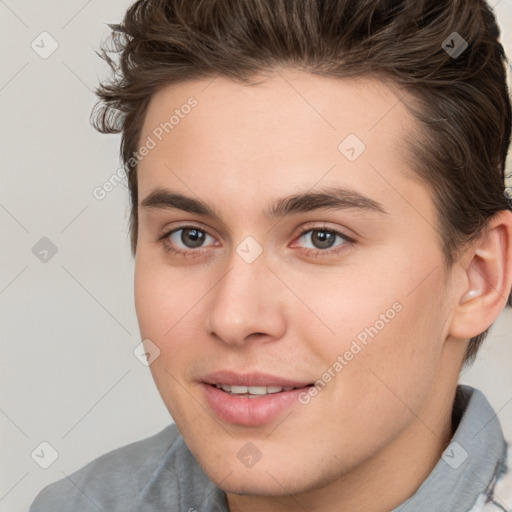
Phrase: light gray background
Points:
(68, 326)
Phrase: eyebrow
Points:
(338, 198)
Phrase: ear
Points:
(487, 279)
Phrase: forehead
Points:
(291, 131)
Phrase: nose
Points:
(247, 304)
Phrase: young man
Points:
(322, 238)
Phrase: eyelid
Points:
(342, 232)
(324, 225)
(168, 230)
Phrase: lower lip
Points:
(249, 411)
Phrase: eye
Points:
(323, 240)
(185, 240)
(191, 241)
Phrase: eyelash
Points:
(193, 253)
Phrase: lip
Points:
(246, 411)
(251, 379)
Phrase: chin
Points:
(261, 485)
(267, 480)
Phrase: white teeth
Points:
(252, 391)
(256, 390)
(238, 389)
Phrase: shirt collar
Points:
(467, 466)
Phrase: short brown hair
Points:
(461, 101)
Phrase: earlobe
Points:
(488, 279)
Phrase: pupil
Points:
(323, 238)
(195, 235)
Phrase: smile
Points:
(252, 391)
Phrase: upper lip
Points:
(251, 379)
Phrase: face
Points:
(284, 242)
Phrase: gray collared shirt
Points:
(161, 474)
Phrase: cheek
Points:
(164, 307)
(162, 297)
(389, 334)
(169, 308)
(343, 305)
(396, 371)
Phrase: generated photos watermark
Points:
(360, 342)
(151, 142)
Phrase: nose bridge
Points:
(245, 301)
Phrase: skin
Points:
(374, 433)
